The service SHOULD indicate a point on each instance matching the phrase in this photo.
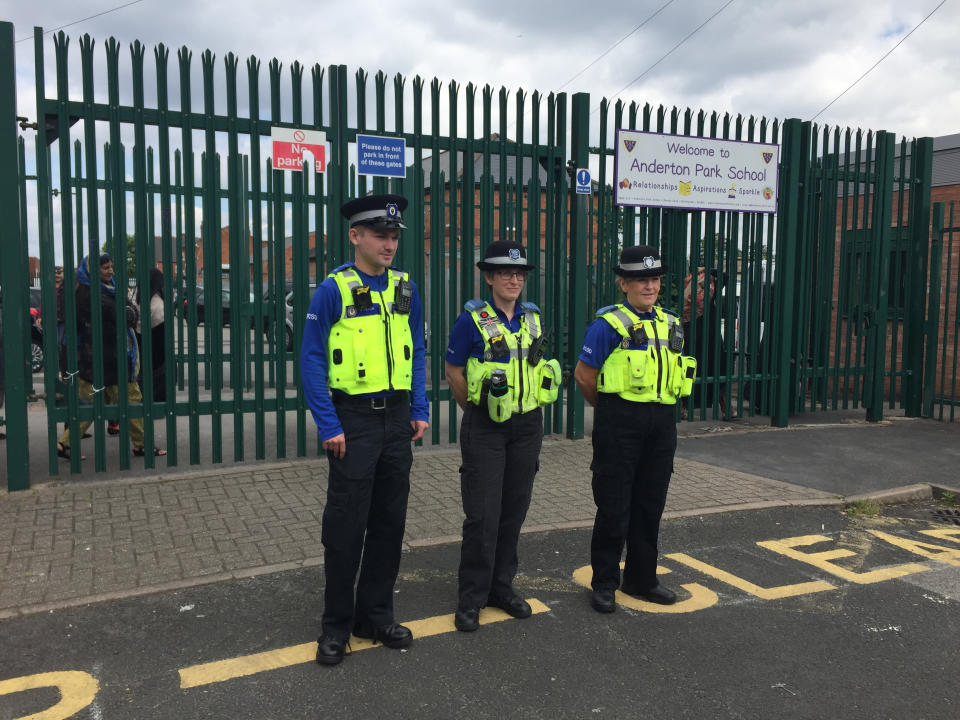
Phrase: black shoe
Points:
(514, 606)
(393, 635)
(330, 650)
(466, 619)
(657, 594)
(603, 601)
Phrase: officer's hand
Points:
(337, 445)
(419, 427)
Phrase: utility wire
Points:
(77, 22)
(670, 51)
(609, 49)
(885, 56)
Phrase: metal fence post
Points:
(12, 259)
(577, 290)
(788, 243)
(931, 330)
(919, 219)
(880, 223)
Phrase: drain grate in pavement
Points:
(946, 515)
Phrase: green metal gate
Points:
(182, 167)
(941, 391)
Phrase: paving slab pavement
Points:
(69, 543)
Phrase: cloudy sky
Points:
(778, 59)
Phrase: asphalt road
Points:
(845, 458)
(843, 624)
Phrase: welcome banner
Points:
(694, 173)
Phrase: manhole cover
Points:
(947, 515)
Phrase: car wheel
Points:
(36, 356)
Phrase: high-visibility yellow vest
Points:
(658, 373)
(369, 353)
(531, 385)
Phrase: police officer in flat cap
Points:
(633, 371)
(362, 366)
(498, 374)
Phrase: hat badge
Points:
(649, 262)
(514, 254)
(392, 210)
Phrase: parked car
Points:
(288, 302)
(225, 312)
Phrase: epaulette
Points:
(605, 310)
(530, 307)
(471, 305)
(669, 312)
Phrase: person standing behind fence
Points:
(364, 378)
(151, 310)
(497, 374)
(631, 369)
(117, 367)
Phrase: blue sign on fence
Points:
(583, 181)
(383, 156)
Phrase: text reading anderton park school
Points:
(700, 168)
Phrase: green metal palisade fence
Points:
(941, 391)
(180, 163)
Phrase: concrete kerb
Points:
(920, 491)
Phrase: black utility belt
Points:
(370, 403)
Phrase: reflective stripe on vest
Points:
(374, 352)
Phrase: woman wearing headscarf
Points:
(118, 364)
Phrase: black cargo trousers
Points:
(633, 449)
(365, 514)
(500, 461)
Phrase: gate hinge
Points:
(25, 123)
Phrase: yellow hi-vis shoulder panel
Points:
(369, 351)
(531, 386)
(658, 373)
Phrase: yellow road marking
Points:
(822, 560)
(950, 556)
(772, 593)
(77, 691)
(700, 596)
(949, 534)
(221, 670)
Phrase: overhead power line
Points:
(609, 49)
(670, 51)
(77, 22)
(885, 56)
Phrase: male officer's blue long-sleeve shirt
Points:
(325, 310)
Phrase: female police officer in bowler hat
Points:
(364, 379)
(498, 375)
(631, 369)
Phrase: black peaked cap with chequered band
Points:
(640, 261)
(379, 211)
(504, 254)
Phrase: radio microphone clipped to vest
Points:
(404, 297)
